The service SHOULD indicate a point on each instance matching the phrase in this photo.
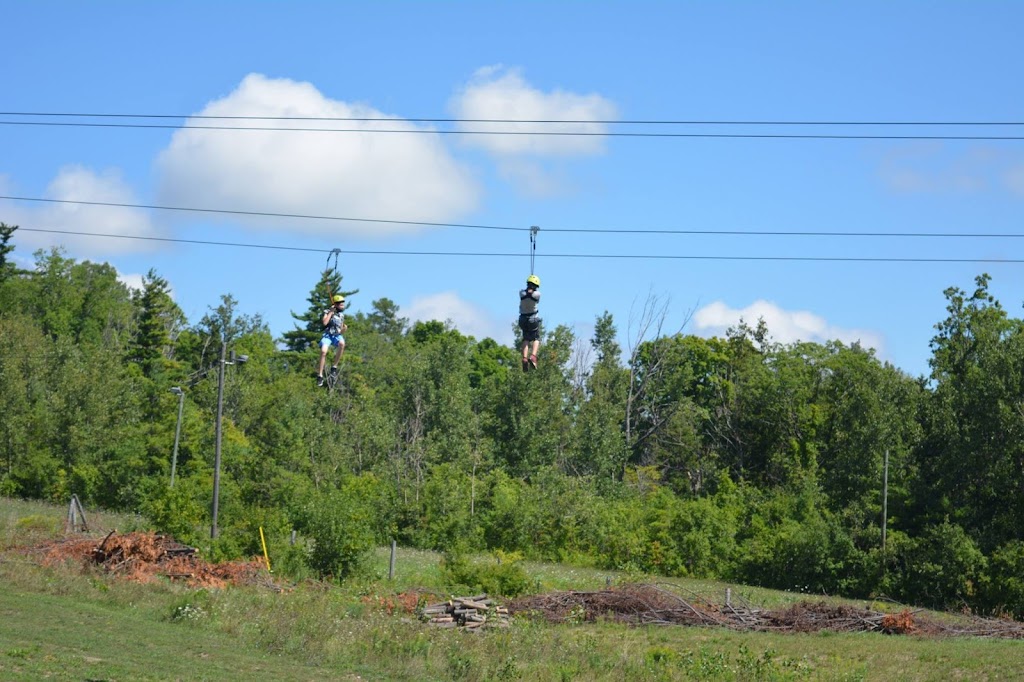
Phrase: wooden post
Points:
(391, 566)
(885, 497)
(76, 516)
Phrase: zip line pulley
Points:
(534, 229)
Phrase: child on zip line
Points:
(334, 326)
(529, 323)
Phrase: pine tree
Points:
(7, 268)
(159, 318)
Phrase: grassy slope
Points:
(68, 624)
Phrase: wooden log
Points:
(442, 619)
(470, 604)
(427, 610)
(475, 618)
(473, 624)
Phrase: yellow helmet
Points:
(534, 280)
(337, 298)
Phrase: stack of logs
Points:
(468, 612)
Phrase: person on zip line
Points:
(334, 326)
(529, 323)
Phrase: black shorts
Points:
(530, 324)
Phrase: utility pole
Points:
(216, 458)
(885, 497)
(220, 413)
(177, 430)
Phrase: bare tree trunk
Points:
(646, 326)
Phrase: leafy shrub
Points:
(505, 577)
(1004, 591)
(340, 524)
(178, 511)
(941, 568)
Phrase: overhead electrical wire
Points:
(517, 120)
(300, 216)
(620, 256)
(543, 133)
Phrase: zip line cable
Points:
(567, 230)
(618, 256)
(416, 131)
(518, 120)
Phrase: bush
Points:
(505, 577)
(941, 568)
(1004, 591)
(340, 525)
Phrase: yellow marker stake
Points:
(263, 540)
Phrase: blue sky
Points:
(780, 61)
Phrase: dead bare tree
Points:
(643, 416)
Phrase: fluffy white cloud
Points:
(498, 93)
(785, 326)
(468, 318)
(386, 175)
(131, 280)
(78, 183)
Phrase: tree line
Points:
(736, 458)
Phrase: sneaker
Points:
(533, 361)
(526, 364)
(334, 371)
(319, 381)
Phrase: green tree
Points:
(385, 321)
(7, 268)
(159, 322)
(971, 459)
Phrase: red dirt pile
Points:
(142, 557)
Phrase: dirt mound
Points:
(143, 557)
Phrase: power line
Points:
(264, 214)
(549, 133)
(520, 120)
(748, 233)
(616, 256)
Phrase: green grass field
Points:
(71, 623)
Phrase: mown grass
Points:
(75, 623)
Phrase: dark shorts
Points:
(530, 324)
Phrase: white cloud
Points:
(784, 326)
(532, 179)
(1015, 180)
(930, 167)
(132, 280)
(78, 183)
(387, 175)
(498, 93)
(468, 318)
